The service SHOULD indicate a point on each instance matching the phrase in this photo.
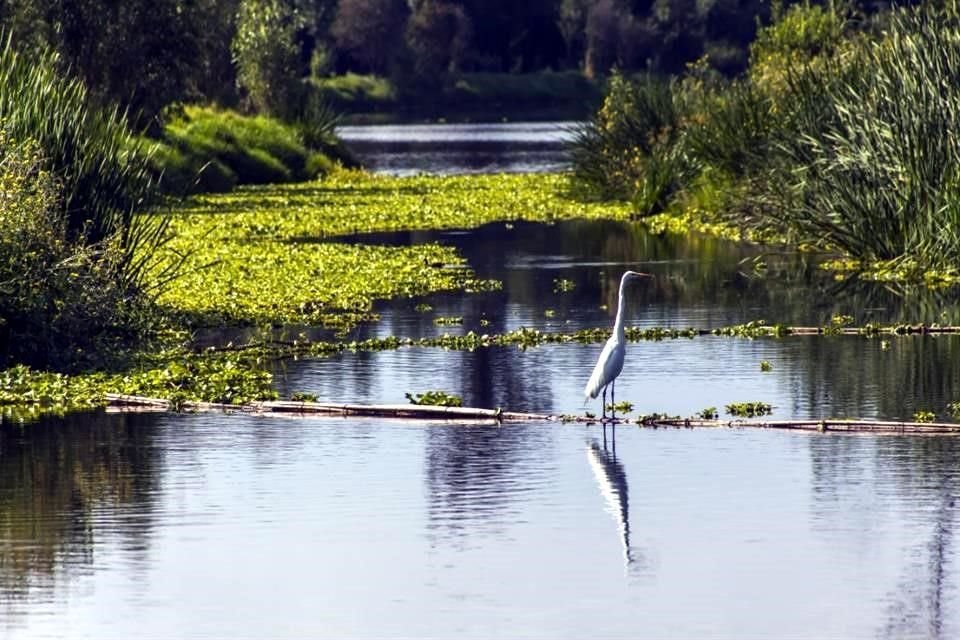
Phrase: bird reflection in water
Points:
(612, 480)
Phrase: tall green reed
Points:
(867, 159)
(101, 167)
(632, 148)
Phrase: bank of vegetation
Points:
(841, 136)
(110, 111)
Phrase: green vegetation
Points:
(211, 150)
(223, 377)
(101, 167)
(806, 148)
(238, 373)
(435, 398)
(748, 409)
(709, 413)
(765, 366)
(621, 407)
(924, 416)
(567, 94)
(73, 257)
(264, 254)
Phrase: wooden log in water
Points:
(832, 425)
(118, 402)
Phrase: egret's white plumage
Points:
(610, 363)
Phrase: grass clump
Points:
(212, 150)
(73, 254)
(631, 149)
(63, 302)
(101, 167)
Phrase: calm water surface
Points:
(511, 147)
(212, 526)
(182, 526)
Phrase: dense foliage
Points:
(64, 302)
(148, 55)
(807, 146)
(211, 150)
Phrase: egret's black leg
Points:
(603, 406)
(613, 401)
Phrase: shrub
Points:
(266, 55)
(209, 149)
(63, 302)
(633, 148)
(869, 162)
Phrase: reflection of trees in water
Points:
(473, 475)
(55, 475)
(854, 376)
(926, 475)
(718, 276)
(920, 475)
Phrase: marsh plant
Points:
(836, 138)
(63, 301)
(100, 165)
(73, 253)
(870, 163)
(435, 399)
(632, 147)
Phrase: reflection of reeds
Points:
(53, 480)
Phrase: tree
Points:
(603, 36)
(438, 35)
(572, 23)
(267, 56)
(369, 32)
(140, 54)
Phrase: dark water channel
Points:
(197, 526)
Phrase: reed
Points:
(632, 148)
(869, 162)
(100, 164)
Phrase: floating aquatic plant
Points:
(435, 398)
(748, 409)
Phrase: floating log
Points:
(119, 402)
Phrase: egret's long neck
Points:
(618, 323)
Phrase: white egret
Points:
(610, 363)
